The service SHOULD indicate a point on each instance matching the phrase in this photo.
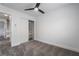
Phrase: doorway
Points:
(5, 29)
(31, 30)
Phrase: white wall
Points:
(19, 25)
(60, 27)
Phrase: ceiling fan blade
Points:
(29, 9)
(37, 5)
(41, 11)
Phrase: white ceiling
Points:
(46, 7)
(3, 15)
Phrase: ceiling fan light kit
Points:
(35, 9)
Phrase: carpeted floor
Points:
(34, 48)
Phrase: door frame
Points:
(33, 30)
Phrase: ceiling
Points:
(3, 15)
(46, 7)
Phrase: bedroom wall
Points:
(60, 27)
(19, 25)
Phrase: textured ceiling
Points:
(47, 7)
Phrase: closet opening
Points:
(31, 30)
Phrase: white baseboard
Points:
(16, 44)
(62, 46)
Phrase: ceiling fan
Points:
(36, 8)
